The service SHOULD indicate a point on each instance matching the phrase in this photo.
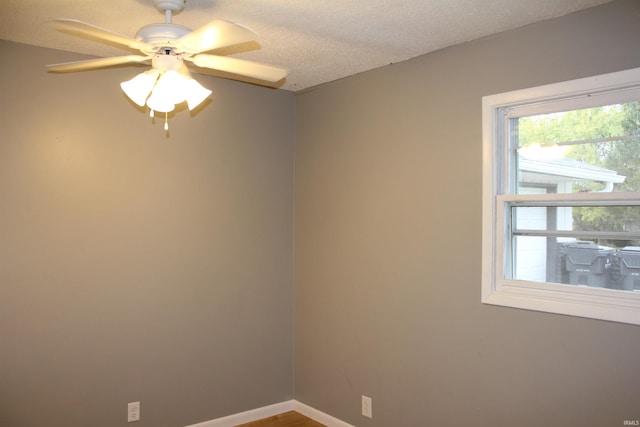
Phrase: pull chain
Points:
(166, 122)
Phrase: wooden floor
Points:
(288, 419)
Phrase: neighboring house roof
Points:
(563, 170)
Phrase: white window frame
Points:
(498, 198)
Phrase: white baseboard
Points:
(271, 410)
(248, 416)
(318, 416)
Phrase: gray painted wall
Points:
(139, 267)
(136, 267)
(388, 246)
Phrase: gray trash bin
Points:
(629, 258)
(587, 263)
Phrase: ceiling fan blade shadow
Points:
(95, 32)
(215, 35)
(241, 67)
(95, 63)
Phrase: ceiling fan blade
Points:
(215, 35)
(95, 63)
(91, 30)
(242, 67)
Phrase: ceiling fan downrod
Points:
(169, 7)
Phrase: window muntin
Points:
(562, 198)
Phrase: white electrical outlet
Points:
(366, 407)
(133, 412)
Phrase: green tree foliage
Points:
(624, 155)
(607, 137)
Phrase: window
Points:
(561, 198)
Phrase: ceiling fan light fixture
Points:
(166, 89)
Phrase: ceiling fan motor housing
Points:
(159, 36)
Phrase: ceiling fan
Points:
(169, 46)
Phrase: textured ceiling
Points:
(318, 41)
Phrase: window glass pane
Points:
(597, 246)
(577, 263)
(585, 150)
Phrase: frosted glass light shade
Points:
(158, 103)
(170, 87)
(195, 93)
(139, 87)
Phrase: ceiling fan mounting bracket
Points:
(174, 6)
